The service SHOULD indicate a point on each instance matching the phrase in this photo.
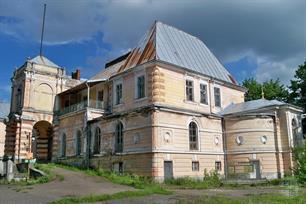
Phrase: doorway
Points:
(42, 141)
(256, 170)
(168, 170)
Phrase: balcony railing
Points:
(80, 106)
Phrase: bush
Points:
(210, 180)
(300, 169)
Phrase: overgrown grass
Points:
(210, 180)
(251, 199)
(104, 197)
(138, 182)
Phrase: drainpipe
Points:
(88, 92)
(209, 88)
(224, 148)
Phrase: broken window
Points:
(97, 141)
(118, 94)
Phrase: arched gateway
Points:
(33, 101)
(42, 138)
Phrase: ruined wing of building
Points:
(166, 109)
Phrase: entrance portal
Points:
(42, 141)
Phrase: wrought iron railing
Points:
(80, 106)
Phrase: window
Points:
(78, 143)
(189, 90)
(19, 98)
(217, 97)
(119, 137)
(97, 141)
(63, 145)
(140, 87)
(218, 166)
(118, 94)
(203, 94)
(193, 136)
(100, 99)
(195, 166)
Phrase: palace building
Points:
(168, 108)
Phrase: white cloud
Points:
(269, 32)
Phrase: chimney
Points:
(76, 75)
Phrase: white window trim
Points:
(189, 78)
(117, 82)
(214, 103)
(137, 75)
(207, 92)
(97, 96)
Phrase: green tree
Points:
(300, 167)
(297, 88)
(272, 89)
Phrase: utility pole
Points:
(42, 30)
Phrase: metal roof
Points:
(43, 61)
(4, 109)
(171, 45)
(106, 73)
(250, 106)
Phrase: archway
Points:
(42, 141)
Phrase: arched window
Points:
(97, 141)
(119, 137)
(63, 145)
(78, 143)
(193, 136)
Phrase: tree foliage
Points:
(272, 89)
(300, 168)
(297, 95)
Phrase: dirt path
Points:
(74, 184)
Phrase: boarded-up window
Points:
(78, 143)
(63, 145)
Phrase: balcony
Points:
(99, 105)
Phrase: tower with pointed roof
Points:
(33, 98)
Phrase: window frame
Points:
(137, 91)
(189, 92)
(63, 145)
(195, 166)
(217, 165)
(97, 141)
(193, 145)
(206, 94)
(78, 143)
(119, 137)
(118, 101)
(220, 99)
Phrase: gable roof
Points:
(250, 106)
(43, 61)
(4, 109)
(106, 73)
(168, 44)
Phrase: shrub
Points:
(300, 168)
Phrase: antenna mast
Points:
(42, 30)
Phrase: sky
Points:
(264, 39)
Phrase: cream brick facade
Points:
(166, 131)
(2, 137)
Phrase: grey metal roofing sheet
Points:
(4, 109)
(182, 49)
(250, 106)
(43, 61)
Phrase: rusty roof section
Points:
(169, 44)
